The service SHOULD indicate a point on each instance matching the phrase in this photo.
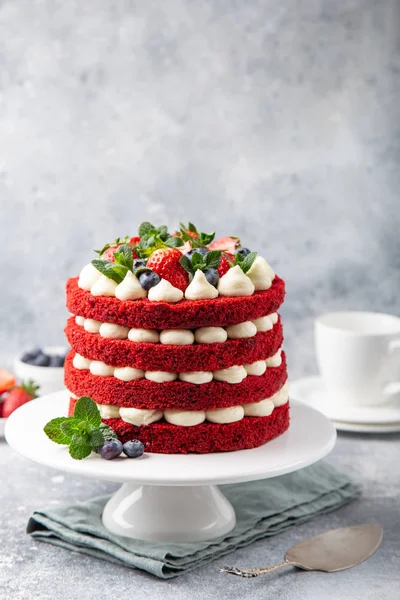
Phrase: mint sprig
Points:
(197, 262)
(116, 242)
(83, 432)
(117, 270)
(200, 241)
(245, 262)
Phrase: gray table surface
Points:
(32, 570)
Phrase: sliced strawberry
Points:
(109, 253)
(18, 396)
(224, 265)
(7, 381)
(165, 262)
(227, 244)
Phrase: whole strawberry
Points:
(165, 262)
(19, 395)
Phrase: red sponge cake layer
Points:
(165, 438)
(142, 393)
(187, 314)
(160, 357)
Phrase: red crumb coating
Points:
(165, 438)
(175, 359)
(142, 393)
(186, 314)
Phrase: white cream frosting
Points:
(225, 415)
(256, 368)
(210, 335)
(197, 377)
(111, 330)
(263, 323)
(151, 336)
(80, 362)
(177, 337)
(140, 416)
(200, 289)
(275, 360)
(108, 411)
(130, 288)
(234, 374)
(164, 292)
(80, 320)
(241, 330)
(184, 418)
(92, 326)
(128, 373)
(97, 367)
(104, 286)
(258, 409)
(235, 283)
(282, 396)
(274, 318)
(160, 376)
(88, 276)
(261, 274)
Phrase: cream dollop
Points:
(241, 330)
(261, 274)
(104, 286)
(256, 368)
(140, 416)
(80, 362)
(80, 320)
(128, 373)
(184, 418)
(160, 376)
(150, 336)
(177, 337)
(258, 409)
(200, 289)
(234, 374)
(108, 411)
(111, 330)
(92, 326)
(275, 360)
(97, 367)
(165, 292)
(130, 288)
(274, 318)
(235, 283)
(210, 335)
(282, 396)
(88, 276)
(263, 323)
(225, 415)
(197, 377)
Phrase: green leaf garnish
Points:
(197, 262)
(86, 409)
(111, 270)
(145, 229)
(116, 242)
(246, 261)
(123, 256)
(53, 431)
(79, 447)
(213, 259)
(174, 242)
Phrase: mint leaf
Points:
(86, 410)
(163, 232)
(206, 238)
(96, 439)
(213, 259)
(145, 229)
(123, 256)
(107, 431)
(174, 242)
(53, 431)
(79, 447)
(197, 260)
(70, 427)
(192, 227)
(186, 264)
(111, 270)
(248, 261)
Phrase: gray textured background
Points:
(277, 121)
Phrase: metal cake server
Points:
(334, 550)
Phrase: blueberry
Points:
(243, 251)
(41, 360)
(57, 361)
(201, 251)
(32, 354)
(148, 279)
(111, 448)
(139, 262)
(212, 276)
(133, 448)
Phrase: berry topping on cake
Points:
(166, 263)
(149, 279)
(243, 251)
(225, 244)
(108, 251)
(225, 264)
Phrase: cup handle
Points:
(392, 389)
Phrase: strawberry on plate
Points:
(7, 381)
(227, 244)
(165, 262)
(19, 395)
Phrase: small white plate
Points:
(369, 419)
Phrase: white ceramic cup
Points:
(358, 354)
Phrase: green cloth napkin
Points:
(263, 508)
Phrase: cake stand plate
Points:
(172, 497)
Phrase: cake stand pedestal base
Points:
(170, 514)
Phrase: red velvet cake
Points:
(177, 339)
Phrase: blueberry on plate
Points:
(133, 448)
(243, 251)
(56, 361)
(149, 279)
(111, 448)
(212, 276)
(27, 357)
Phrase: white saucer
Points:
(366, 419)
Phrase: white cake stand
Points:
(172, 497)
